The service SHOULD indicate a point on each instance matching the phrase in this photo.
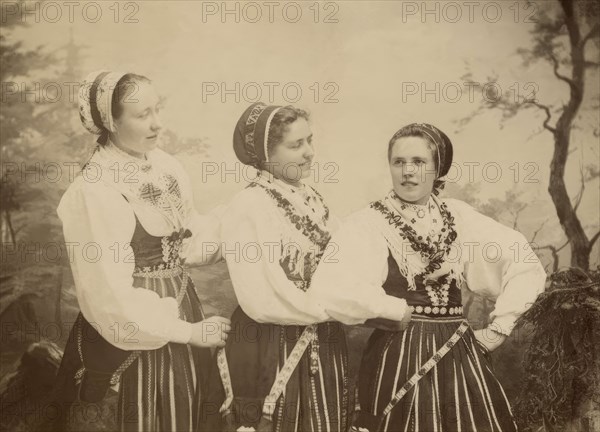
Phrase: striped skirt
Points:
(163, 389)
(310, 402)
(460, 393)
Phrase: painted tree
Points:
(567, 37)
(16, 62)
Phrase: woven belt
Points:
(423, 370)
(283, 376)
(427, 366)
(437, 310)
(155, 273)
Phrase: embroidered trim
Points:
(434, 251)
(444, 319)
(149, 182)
(283, 376)
(458, 310)
(427, 366)
(249, 131)
(438, 290)
(163, 193)
(304, 224)
(300, 258)
(116, 376)
(148, 272)
(226, 380)
(171, 248)
(266, 139)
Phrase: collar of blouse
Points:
(425, 219)
(152, 182)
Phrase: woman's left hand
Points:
(489, 338)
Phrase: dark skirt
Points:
(161, 390)
(460, 393)
(309, 402)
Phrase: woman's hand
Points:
(212, 332)
(489, 338)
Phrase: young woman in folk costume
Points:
(279, 371)
(436, 375)
(141, 323)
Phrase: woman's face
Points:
(137, 128)
(413, 169)
(291, 159)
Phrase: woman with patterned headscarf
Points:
(279, 371)
(131, 222)
(436, 374)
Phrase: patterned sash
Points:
(133, 355)
(423, 370)
(283, 376)
(427, 366)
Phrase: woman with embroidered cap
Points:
(141, 324)
(436, 375)
(279, 371)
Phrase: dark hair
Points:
(413, 130)
(280, 124)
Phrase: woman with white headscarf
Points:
(130, 220)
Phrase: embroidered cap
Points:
(252, 132)
(95, 101)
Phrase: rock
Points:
(26, 393)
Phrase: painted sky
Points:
(373, 57)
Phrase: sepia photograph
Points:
(300, 216)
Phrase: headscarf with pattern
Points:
(95, 102)
(252, 132)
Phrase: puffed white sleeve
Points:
(251, 246)
(204, 246)
(98, 225)
(348, 284)
(499, 264)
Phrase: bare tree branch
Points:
(551, 47)
(516, 215)
(557, 74)
(554, 251)
(546, 109)
(593, 239)
(563, 246)
(535, 233)
(595, 31)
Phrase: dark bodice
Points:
(156, 253)
(420, 298)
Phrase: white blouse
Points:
(98, 225)
(496, 262)
(253, 230)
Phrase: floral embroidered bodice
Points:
(152, 253)
(304, 244)
(439, 296)
(420, 270)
